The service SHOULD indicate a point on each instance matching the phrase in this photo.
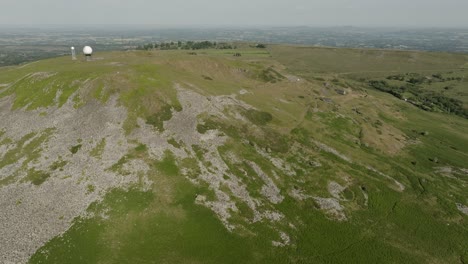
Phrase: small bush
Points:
(90, 188)
(37, 177)
(59, 164)
(141, 148)
(157, 119)
(75, 149)
(258, 117)
(270, 75)
(174, 143)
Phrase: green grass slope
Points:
(363, 177)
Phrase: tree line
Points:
(186, 45)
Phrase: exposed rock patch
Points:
(298, 194)
(451, 171)
(269, 190)
(332, 151)
(277, 162)
(335, 189)
(241, 92)
(400, 186)
(462, 208)
(285, 240)
(331, 207)
(33, 214)
(183, 127)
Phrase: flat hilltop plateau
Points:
(283, 154)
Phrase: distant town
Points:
(24, 44)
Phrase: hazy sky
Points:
(419, 13)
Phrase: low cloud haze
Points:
(370, 13)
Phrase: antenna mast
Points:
(73, 53)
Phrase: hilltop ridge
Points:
(284, 154)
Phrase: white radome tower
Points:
(88, 52)
(73, 53)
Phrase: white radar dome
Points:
(87, 50)
(72, 48)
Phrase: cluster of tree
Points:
(432, 100)
(426, 100)
(258, 46)
(188, 45)
(416, 79)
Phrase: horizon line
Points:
(217, 26)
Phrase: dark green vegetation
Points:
(159, 117)
(58, 164)
(258, 117)
(414, 91)
(37, 177)
(270, 75)
(75, 149)
(186, 45)
(366, 140)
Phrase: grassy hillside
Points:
(338, 60)
(283, 155)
